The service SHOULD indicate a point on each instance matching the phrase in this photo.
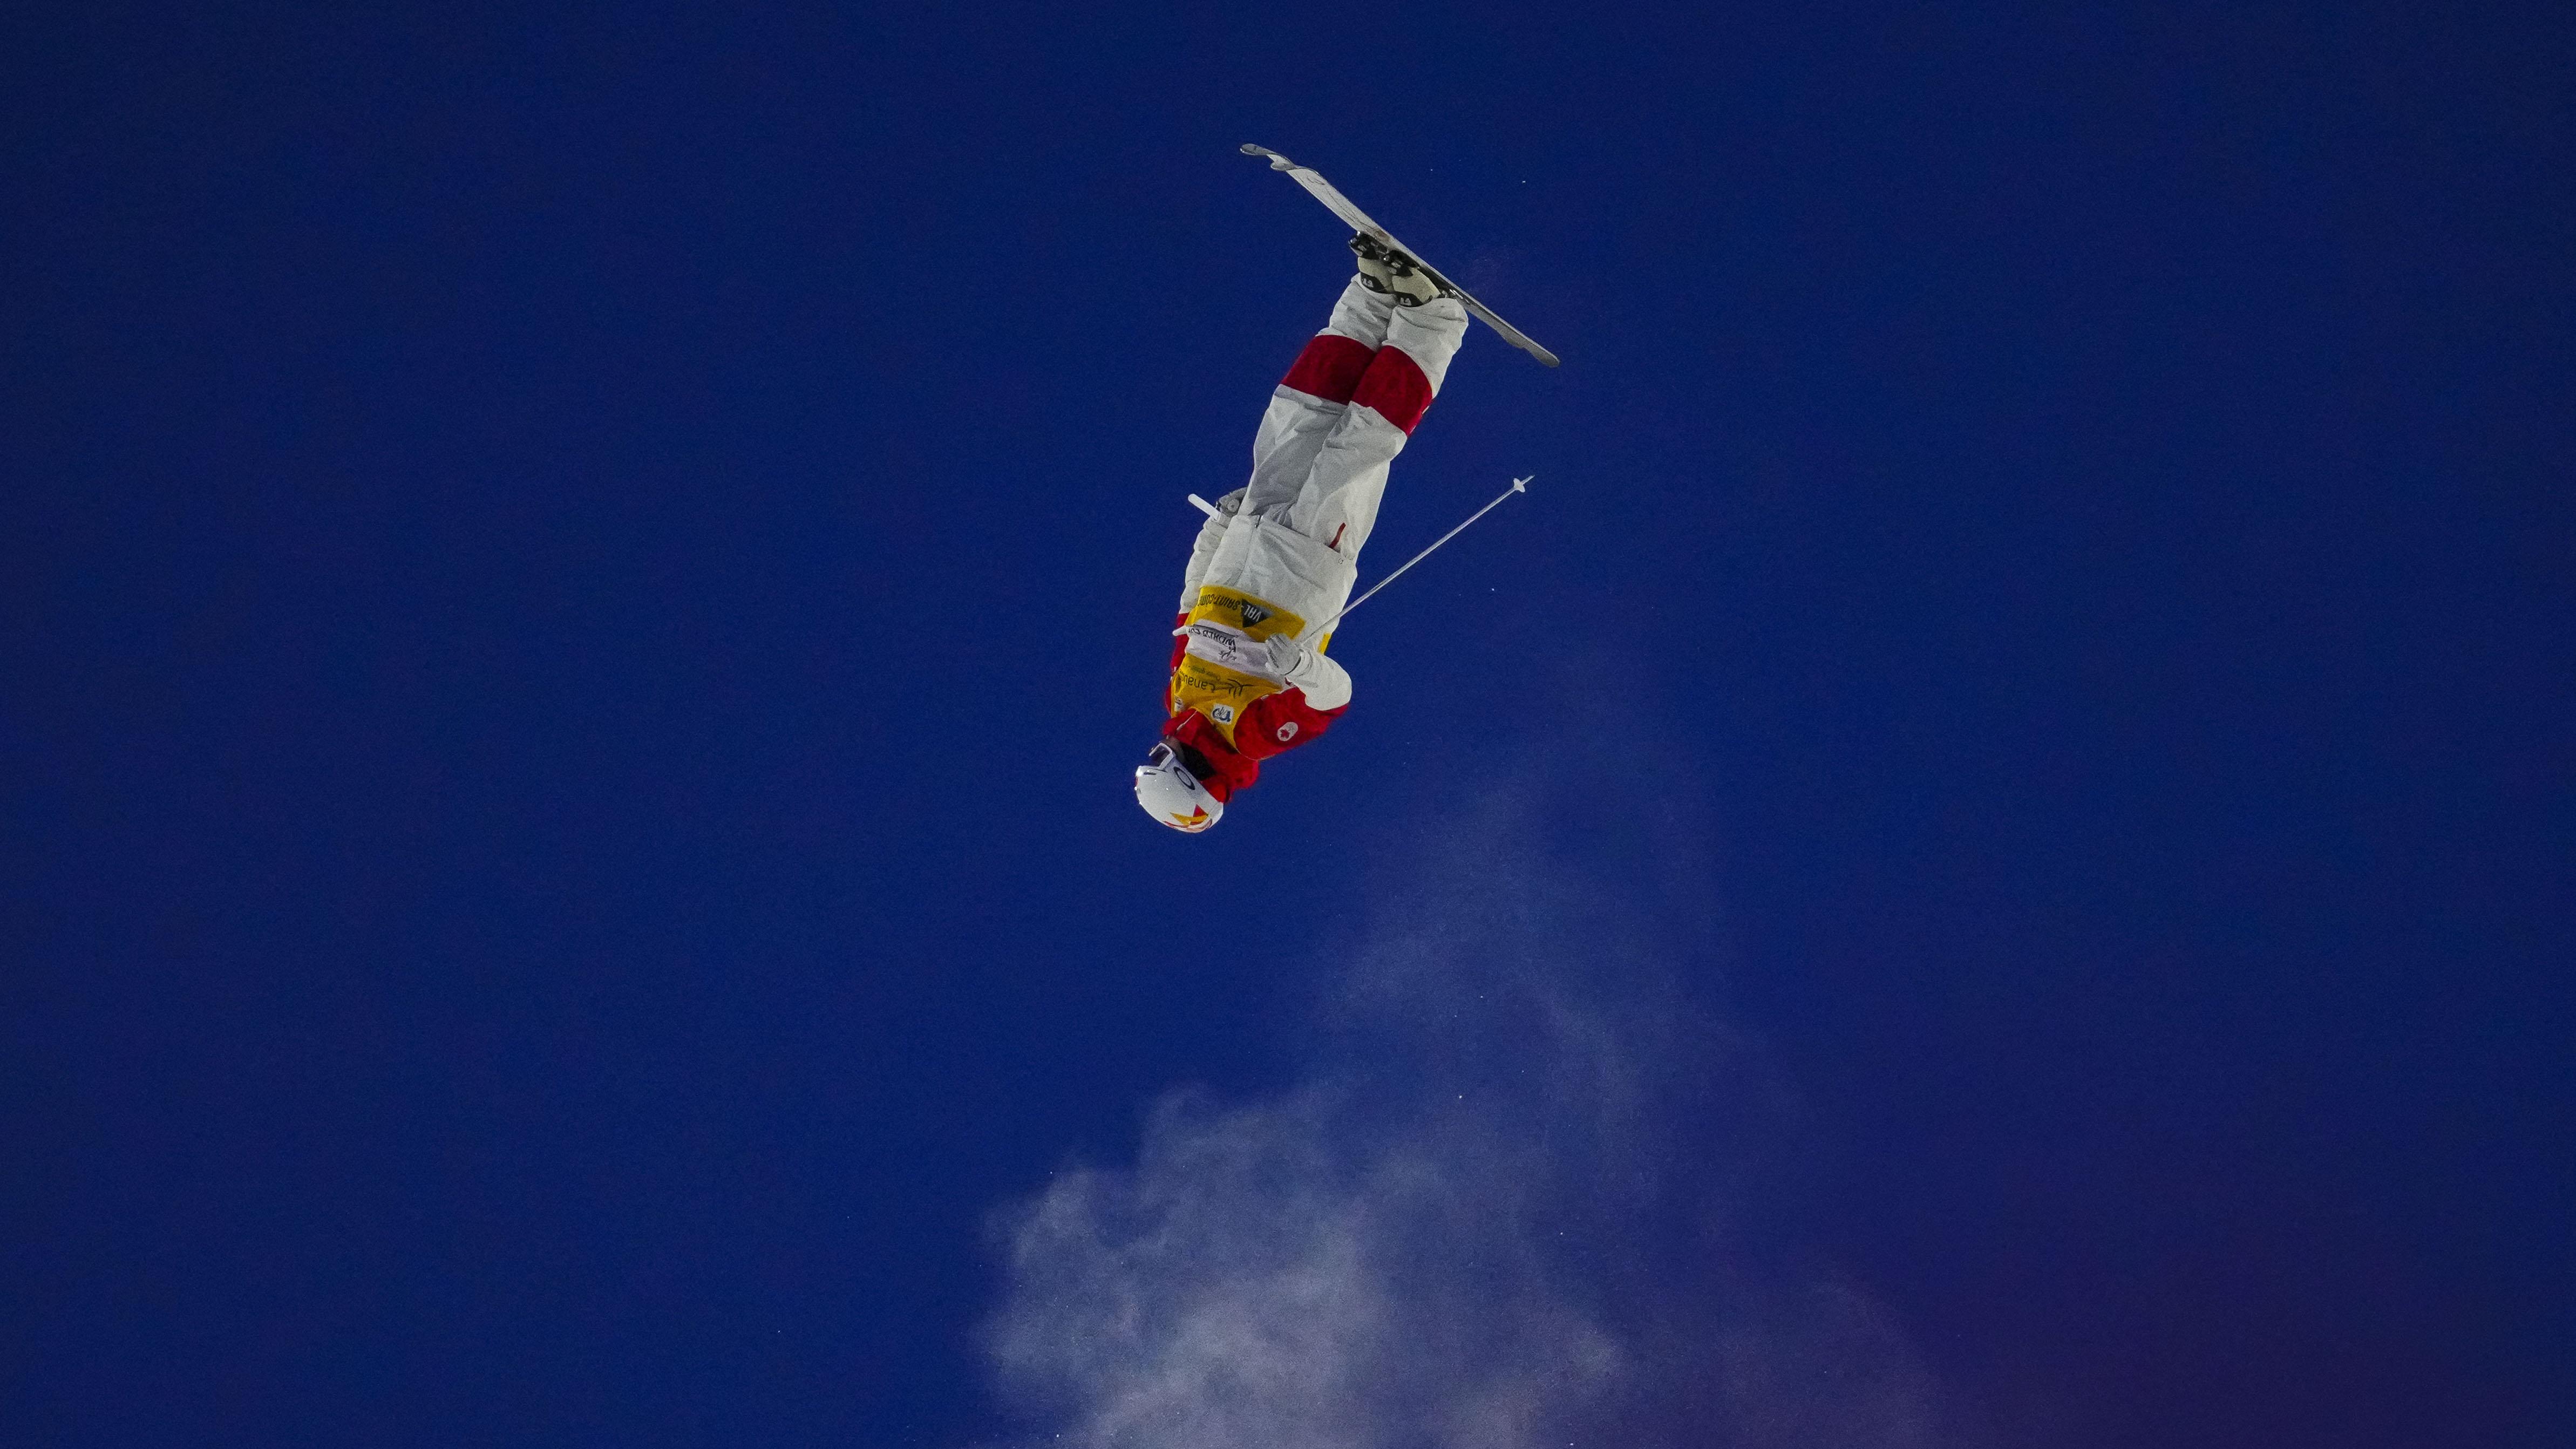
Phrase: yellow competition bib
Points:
(1214, 690)
(1238, 610)
(1220, 693)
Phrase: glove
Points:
(1287, 656)
(1326, 686)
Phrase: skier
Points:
(1276, 557)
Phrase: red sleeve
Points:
(1281, 721)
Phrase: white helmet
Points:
(1174, 796)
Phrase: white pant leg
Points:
(1296, 422)
(1336, 503)
(1295, 535)
(1299, 419)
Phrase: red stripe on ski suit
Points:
(1258, 732)
(1394, 388)
(1330, 367)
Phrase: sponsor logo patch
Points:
(1235, 608)
(1287, 731)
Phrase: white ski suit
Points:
(1280, 555)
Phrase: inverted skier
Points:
(1279, 554)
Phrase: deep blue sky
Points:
(580, 592)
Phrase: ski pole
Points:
(1519, 485)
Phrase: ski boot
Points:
(1391, 273)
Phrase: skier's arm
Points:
(1285, 720)
(1318, 691)
(1325, 684)
(1322, 681)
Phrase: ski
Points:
(1340, 205)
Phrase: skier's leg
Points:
(1284, 560)
(1310, 400)
(1336, 502)
(1303, 409)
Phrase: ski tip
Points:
(1251, 150)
